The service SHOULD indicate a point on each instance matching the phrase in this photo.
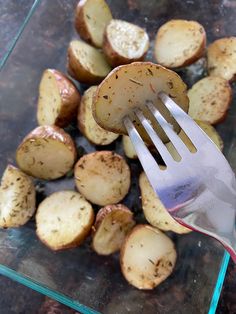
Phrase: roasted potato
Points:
(139, 82)
(113, 222)
(179, 43)
(221, 58)
(147, 257)
(128, 147)
(63, 220)
(58, 99)
(88, 126)
(154, 211)
(17, 198)
(91, 19)
(47, 152)
(86, 63)
(207, 128)
(103, 177)
(124, 43)
(209, 99)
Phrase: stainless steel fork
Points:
(199, 191)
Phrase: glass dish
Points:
(78, 277)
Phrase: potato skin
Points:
(70, 98)
(80, 24)
(113, 57)
(78, 72)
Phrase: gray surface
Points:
(12, 15)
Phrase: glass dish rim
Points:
(43, 289)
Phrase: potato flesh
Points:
(129, 147)
(90, 58)
(64, 219)
(112, 231)
(49, 100)
(179, 41)
(102, 177)
(221, 58)
(88, 126)
(207, 128)
(45, 158)
(97, 15)
(154, 211)
(139, 82)
(126, 39)
(148, 257)
(17, 198)
(209, 99)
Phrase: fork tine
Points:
(149, 164)
(163, 151)
(174, 138)
(189, 126)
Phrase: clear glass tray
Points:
(78, 277)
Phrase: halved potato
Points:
(209, 99)
(17, 198)
(124, 42)
(86, 63)
(139, 82)
(63, 220)
(88, 126)
(154, 211)
(207, 128)
(179, 43)
(47, 152)
(221, 58)
(147, 257)
(58, 99)
(129, 147)
(91, 19)
(102, 177)
(113, 222)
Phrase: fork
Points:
(199, 191)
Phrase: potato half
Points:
(179, 43)
(154, 211)
(17, 198)
(47, 152)
(91, 19)
(102, 177)
(63, 220)
(139, 82)
(147, 257)
(86, 63)
(113, 222)
(209, 99)
(221, 58)
(207, 128)
(128, 147)
(124, 42)
(88, 126)
(58, 99)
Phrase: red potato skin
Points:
(70, 98)
(80, 24)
